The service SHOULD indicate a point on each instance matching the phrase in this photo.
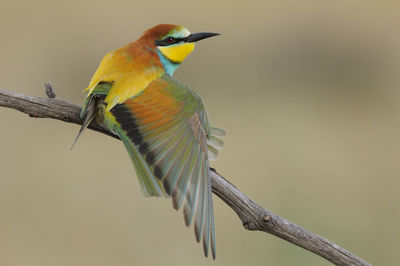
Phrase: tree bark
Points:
(252, 215)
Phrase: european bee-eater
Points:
(162, 123)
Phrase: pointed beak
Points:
(200, 36)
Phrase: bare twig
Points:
(49, 90)
(252, 215)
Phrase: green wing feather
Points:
(148, 183)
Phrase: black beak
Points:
(200, 36)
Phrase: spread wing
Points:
(165, 130)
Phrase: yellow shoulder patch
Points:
(103, 70)
(129, 85)
(128, 78)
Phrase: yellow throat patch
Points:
(177, 53)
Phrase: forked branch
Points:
(252, 215)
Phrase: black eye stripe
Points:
(167, 41)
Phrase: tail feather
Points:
(88, 116)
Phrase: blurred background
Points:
(308, 92)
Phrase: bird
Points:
(162, 123)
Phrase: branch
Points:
(252, 215)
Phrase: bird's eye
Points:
(171, 40)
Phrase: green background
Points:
(308, 92)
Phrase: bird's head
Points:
(173, 43)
